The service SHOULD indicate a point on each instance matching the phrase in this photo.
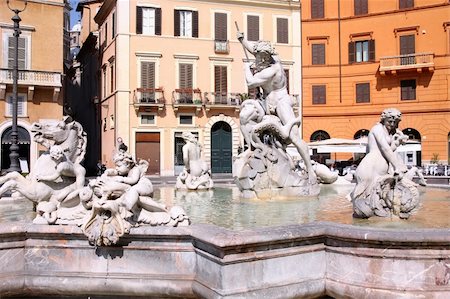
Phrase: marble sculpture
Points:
(107, 207)
(268, 125)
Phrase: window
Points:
(148, 81)
(402, 4)
(186, 119)
(185, 83)
(360, 7)
(220, 83)
(363, 93)
(22, 54)
(148, 20)
(408, 89)
(407, 48)
(317, 9)
(148, 119)
(21, 105)
(104, 81)
(252, 28)
(319, 95)
(111, 77)
(318, 54)
(113, 26)
(220, 27)
(186, 23)
(282, 31)
(361, 51)
(286, 73)
(106, 33)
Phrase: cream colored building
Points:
(43, 50)
(173, 66)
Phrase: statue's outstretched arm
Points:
(260, 78)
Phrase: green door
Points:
(221, 152)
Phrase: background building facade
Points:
(362, 56)
(43, 53)
(173, 66)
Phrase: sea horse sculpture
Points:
(57, 174)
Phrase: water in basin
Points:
(224, 207)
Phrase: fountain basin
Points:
(236, 249)
(206, 261)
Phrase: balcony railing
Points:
(221, 47)
(29, 77)
(222, 100)
(187, 96)
(416, 61)
(149, 97)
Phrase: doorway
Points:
(148, 148)
(221, 148)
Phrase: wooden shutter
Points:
(363, 93)
(408, 89)
(138, 20)
(286, 73)
(176, 21)
(282, 31)
(407, 44)
(406, 4)
(158, 23)
(360, 7)
(220, 80)
(252, 28)
(195, 24)
(318, 54)
(372, 50)
(22, 52)
(185, 74)
(319, 94)
(317, 9)
(351, 52)
(147, 74)
(220, 27)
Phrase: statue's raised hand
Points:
(240, 36)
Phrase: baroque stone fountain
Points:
(143, 248)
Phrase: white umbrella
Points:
(340, 145)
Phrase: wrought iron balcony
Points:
(187, 98)
(417, 62)
(223, 100)
(31, 78)
(221, 47)
(149, 97)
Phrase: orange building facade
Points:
(362, 56)
(43, 51)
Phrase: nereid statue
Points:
(196, 173)
(268, 125)
(384, 187)
(107, 207)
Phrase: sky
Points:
(74, 15)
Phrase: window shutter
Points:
(363, 93)
(186, 74)
(282, 31)
(147, 74)
(253, 28)
(195, 24)
(158, 23)
(351, 52)
(220, 29)
(138, 20)
(407, 44)
(20, 106)
(286, 73)
(176, 20)
(220, 80)
(319, 94)
(406, 4)
(360, 7)
(317, 9)
(318, 54)
(372, 50)
(21, 52)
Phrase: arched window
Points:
(413, 134)
(319, 135)
(361, 133)
(23, 140)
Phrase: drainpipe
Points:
(340, 54)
